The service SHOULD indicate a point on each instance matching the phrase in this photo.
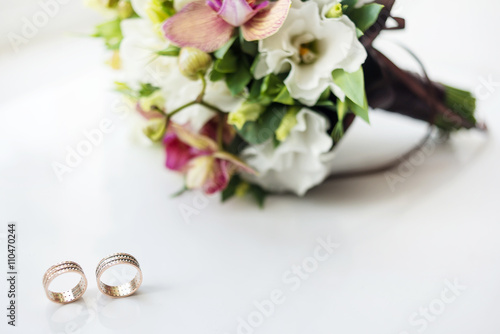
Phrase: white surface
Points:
(397, 248)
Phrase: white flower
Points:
(141, 64)
(311, 48)
(298, 163)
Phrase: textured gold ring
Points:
(122, 290)
(58, 270)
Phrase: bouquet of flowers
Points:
(252, 96)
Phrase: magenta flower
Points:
(208, 26)
(200, 158)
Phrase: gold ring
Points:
(122, 290)
(68, 296)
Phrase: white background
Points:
(398, 247)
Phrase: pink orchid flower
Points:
(200, 158)
(208, 26)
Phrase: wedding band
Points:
(59, 269)
(122, 290)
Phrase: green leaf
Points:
(147, 89)
(255, 89)
(219, 54)
(350, 3)
(236, 82)
(263, 129)
(228, 64)
(111, 32)
(171, 51)
(259, 194)
(352, 84)
(365, 16)
(272, 85)
(168, 7)
(250, 48)
(284, 97)
(180, 192)
(231, 187)
(360, 111)
(216, 75)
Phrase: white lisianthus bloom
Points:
(141, 64)
(298, 163)
(310, 48)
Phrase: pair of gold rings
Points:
(72, 295)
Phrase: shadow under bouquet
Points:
(251, 97)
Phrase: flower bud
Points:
(155, 130)
(125, 9)
(335, 11)
(193, 62)
(154, 101)
(246, 113)
(109, 3)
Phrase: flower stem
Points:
(199, 99)
(209, 106)
(169, 115)
(220, 130)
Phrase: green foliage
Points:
(238, 80)
(263, 129)
(360, 111)
(168, 7)
(236, 183)
(219, 54)
(231, 187)
(462, 103)
(364, 17)
(233, 64)
(259, 194)
(352, 84)
(147, 89)
(349, 3)
(111, 32)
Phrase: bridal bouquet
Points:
(252, 96)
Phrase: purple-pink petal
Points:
(179, 154)
(197, 25)
(267, 22)
(236, 12)
(220, 177)
(214, 4)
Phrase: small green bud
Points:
(246, 113)
(125, 9)
(156, 128)
(335, 11)
(152, 102)
(109, 3)
(287, 124)
(193, 62)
